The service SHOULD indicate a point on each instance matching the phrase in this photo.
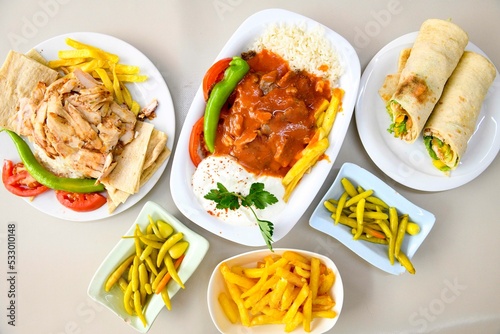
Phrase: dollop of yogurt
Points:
(235, 178)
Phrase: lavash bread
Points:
(454, 118)
(19, 75)
(434, 55)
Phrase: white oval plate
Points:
(113, 300)
(410, 164)
(216, 285)
(143, 93)
(183, 169)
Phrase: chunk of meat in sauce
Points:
(271, 116)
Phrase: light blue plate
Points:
(375, 254)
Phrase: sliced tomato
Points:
(197, 149)
(18, 181)
(214, 74)
(80, 202)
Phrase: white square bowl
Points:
(373, 253)
(113, 300)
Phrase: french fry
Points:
(257, 287)
(309, 157)
(126, 69)
(257, 297)
(332, 110)
(294, 323)
(302, 272)
(290, 277)
(264, 319)
(325, 117)
(234, 278)
(235, 294)
(66, 62)
(294, 256)
(307, 312)
(229, 307)
(131, 77)
(277, 293)
(301, 297)
(319, 114)
(101, 65)
(314, 280)
(254, 272)
(260, 305)
(289, 296)
(324, 314)
(324, 300)
(327, 281)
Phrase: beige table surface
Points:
(456, 286)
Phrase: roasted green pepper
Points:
(45, 177)
(220, 93)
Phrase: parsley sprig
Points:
(257, 197)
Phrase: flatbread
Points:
(391, 80)
(155, 147)
(148, 172)
(155, 156)
(453, 120)
(36, 56)
(19, 75)
(129, 164)
(435, 54)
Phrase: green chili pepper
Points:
(219, 95)
(45, 177)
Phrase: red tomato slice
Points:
(196, 146)
(18, 181)
(80, 202)
(214, 74)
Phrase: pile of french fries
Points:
(325, 117)
(289, 289)
(101, 65)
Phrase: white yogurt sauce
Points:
(235, 178)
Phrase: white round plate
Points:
(154, 88)
(183, 169)
(410, 164)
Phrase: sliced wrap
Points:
(434, 55)
(454, 118)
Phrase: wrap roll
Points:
(434, 55)
(454, 118)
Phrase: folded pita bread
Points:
(119, 183)
(18, 77)
(129, 164)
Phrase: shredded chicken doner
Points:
(75, 125)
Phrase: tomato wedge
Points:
(80, 202)
(197, 149)
(214, 74)
(18, 181)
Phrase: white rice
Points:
(303, 48)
